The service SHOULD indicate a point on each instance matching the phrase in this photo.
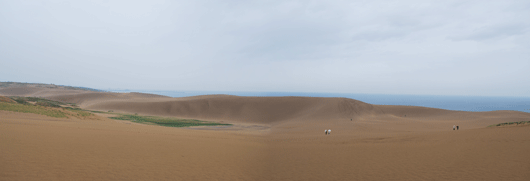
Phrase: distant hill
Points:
(41, 85)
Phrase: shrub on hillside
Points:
(47, 104)
(6, 99)
(20, 100)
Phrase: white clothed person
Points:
(329, 131)
(454, 127)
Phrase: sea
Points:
(458, 103)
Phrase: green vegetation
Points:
(43, 107)
(170, 122)
(28, 108)
(47, 104)
(74, 108)
(38, 101)
(52, 86)
(79, 112)
(99, 112)
(20, 100)
(6, 99)
(510, 123)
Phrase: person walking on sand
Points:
(457, 128)
(454, 127)
(329, 131)
(326, 131)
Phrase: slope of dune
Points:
(264, 110)
(36, 147)
(27, 91)
(88, 98)
(307, 112)
(77, 96)
(368, 142)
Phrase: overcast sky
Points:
(381, 47)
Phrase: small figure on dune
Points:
(454, 127)
(329, 131)
(326, 131)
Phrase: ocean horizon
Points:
(456, 103)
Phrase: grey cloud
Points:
(495, 31)
(318, 46)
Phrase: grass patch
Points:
(43, 107)
(99, 112)
(25, 84)
(6, 99)
(47, 104)
(38, 101)
(169, 122)
(27, 108)
(80, 112)
(20, 100)
(510, 123)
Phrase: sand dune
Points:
(260, 110)
(274, 111)
(368, 142)
(263, 110)
(279, 112)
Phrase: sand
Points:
(273, 138)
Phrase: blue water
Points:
(459, 103)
